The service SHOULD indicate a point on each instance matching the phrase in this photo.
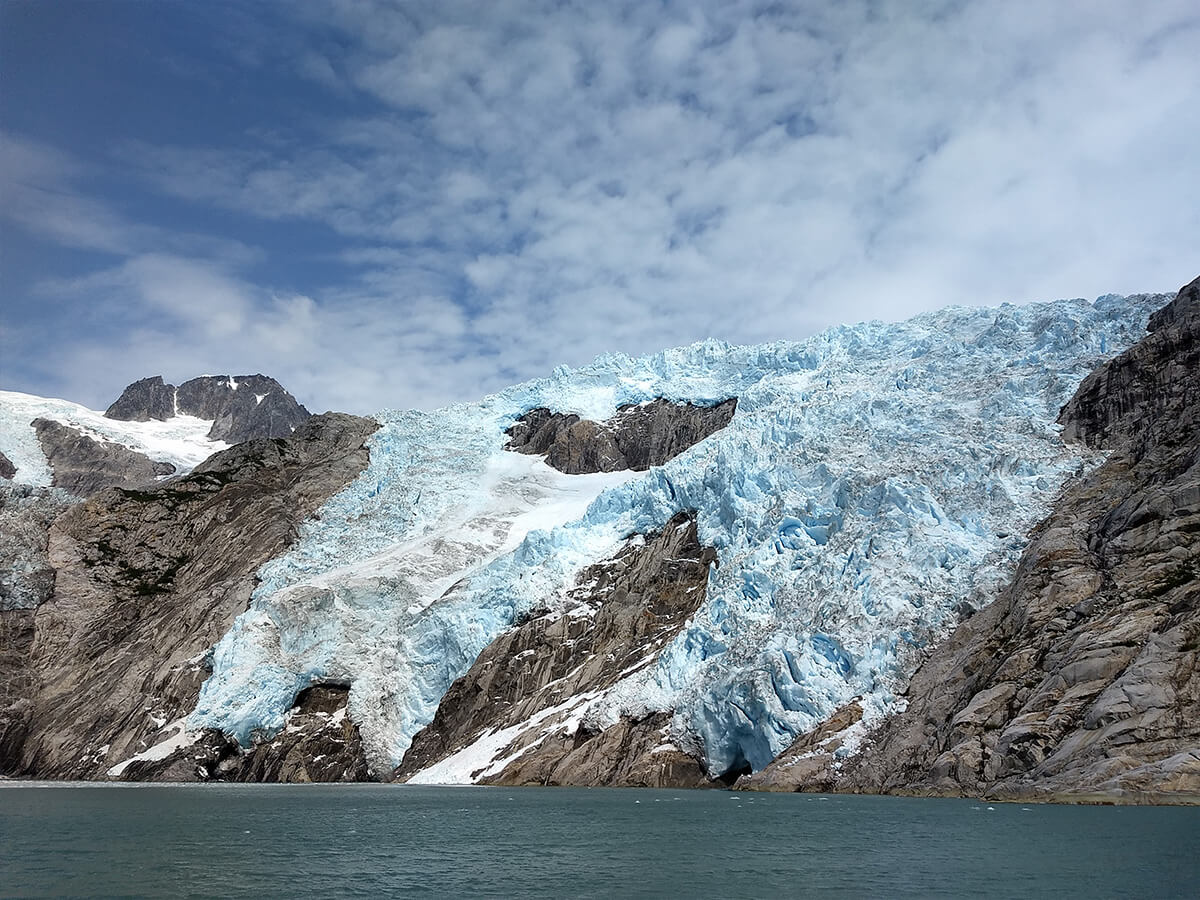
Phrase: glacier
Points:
(876, 483)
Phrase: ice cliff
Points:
(876, 483)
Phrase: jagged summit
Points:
(241, 407)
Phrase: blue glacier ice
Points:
(875, 480)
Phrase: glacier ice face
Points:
(875, 480)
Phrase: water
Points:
(381, 840)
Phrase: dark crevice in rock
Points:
(636, 438)
(241, 408)
(626, 609)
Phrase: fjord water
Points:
(380, 840)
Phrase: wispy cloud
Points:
(524, 184)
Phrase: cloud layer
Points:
(505, 187)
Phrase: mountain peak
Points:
(241, 407)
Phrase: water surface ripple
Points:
(391, 840)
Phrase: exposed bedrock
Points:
(241, 407)
(83, 466)
(636, 437)
(147, 580)
(7, 469)
(319, 744)
(26, 582)
(1081, 681)
(538, 676)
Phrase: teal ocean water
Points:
(384, 840)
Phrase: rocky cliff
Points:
(82, 465)
(145, 582)
(637, 437)
(1081, 681)
(241, 408)
(529, 686)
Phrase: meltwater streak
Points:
(376, 840)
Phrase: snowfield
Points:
(182, 441)
(876, 481)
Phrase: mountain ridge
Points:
(848, 534)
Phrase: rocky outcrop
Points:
(537, 677)
(149, 398)
(83, 466)
(1082, 680)
(318, 744)
(7, 469)
(148, 580)
(636, 438)
(241, 408)
(26, 582)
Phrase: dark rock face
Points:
(319, 744)
(144, 400)
(241, 408)
(636, 438)
(1149, 395)
(7, 469)
(147, 580)
(628, 609)
(1082, 680)
(83, 466)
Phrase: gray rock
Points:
(82, 465)
(319, 745)
(7, 469)
(148, 580)
(26, 582)
(638, 601)
(241, 407)
(144, 400)
(636, 438)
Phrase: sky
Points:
(414, 204)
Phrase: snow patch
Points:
(177, 738)
(182, 441)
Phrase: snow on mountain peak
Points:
(875, 481)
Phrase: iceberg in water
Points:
(876, 481)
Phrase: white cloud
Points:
(543, 182)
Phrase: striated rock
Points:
(537, 676)
(148, 580)
(241, 408)
(7, 469)
(1148, 395)
(319, 744)
(1081, 682)
(83, 466)
(26, 582)
(636, 438)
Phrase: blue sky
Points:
(413, 204)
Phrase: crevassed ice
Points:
(875, 479)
